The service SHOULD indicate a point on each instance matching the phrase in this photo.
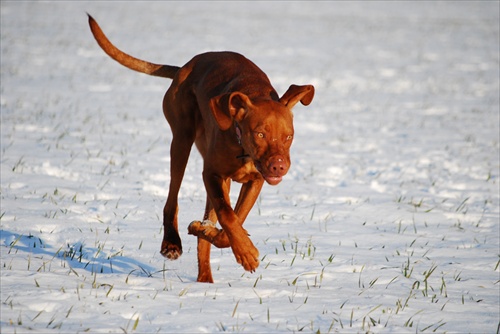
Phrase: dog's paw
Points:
(170, 251)
(246, 254)
(205, 229)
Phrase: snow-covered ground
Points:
(387, 222)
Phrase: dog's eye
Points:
(289, 137)
(260, 135)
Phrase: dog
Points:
(225, 105)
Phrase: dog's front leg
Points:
(246, 200)
(243, 249)
(248, 195)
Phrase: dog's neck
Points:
(238, 132)
(238, 138)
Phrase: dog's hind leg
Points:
(209, 219)
(180, 149)
(204, 268)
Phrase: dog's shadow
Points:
(78, 255)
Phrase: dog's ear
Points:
(295, 93)
(229, 107)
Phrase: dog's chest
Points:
(246, 173)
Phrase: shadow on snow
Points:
(78, 255)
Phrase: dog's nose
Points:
(278, 165)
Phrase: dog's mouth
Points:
(273, 180)
(270, 179)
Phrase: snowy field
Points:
(388, 221)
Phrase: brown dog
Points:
(226, 105)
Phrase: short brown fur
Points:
(225, 105)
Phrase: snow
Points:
(388, 221)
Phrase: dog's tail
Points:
(165, 71)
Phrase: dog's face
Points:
(267, 139)
(266, 126)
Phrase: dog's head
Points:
(264, 127)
